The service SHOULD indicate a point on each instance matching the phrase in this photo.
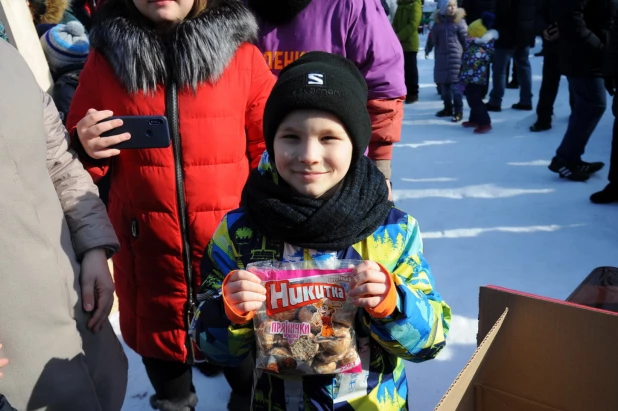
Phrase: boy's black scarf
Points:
(352, 214)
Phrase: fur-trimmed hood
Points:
(48, 11)
(192, 52)
(460, 14)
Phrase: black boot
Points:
(493, 108)
(457, 117)
(445, 112)
(520, 106)
(540, 125)
(606, 196)
(412, 99)
(184, 404)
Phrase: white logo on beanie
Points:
(315, 79)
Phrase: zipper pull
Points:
(134, 230)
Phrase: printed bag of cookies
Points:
(306, 324)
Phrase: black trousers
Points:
(171, 380)
(549, 86)
(613, 160)
(410, 66)
(478, 109)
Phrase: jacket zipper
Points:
(171, 112)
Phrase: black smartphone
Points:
(146, 132)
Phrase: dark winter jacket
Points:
(4, 404)
(548, 13)
(515, 21)
(65, 84)
(448, 36)
(476, 8)
(610, 69)
(584, 33)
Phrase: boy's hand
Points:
(97, 287)
(370, 285)
(3, 362)
(244, 291)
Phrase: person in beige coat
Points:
(55, 286)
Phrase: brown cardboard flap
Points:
(489, 399)
(550, 352)
(460, 395)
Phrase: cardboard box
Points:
(17, 20)
(538, 354)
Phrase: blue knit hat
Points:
(442, 4)
(65, 44)
(488, 19)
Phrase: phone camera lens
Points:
(148, 133)
(155, 122)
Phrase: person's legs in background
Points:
(501, 59)
(548, 92)
(479, 117)
(589, 102)
(173, 385)
(447, 99)
(524, 75)
(610, 193)
(457, 95)
(411, 76)
(514, 83)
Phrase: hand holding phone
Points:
(145, 132)
(90, 128)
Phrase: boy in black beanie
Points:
(315, 196)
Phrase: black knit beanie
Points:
(321, 81)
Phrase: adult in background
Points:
(584, 28)
(406, 22)
(610, 73)
(56, 290)
(192, 61)
(515, 22)
(548, 15)
(355, 29)
(476, 8)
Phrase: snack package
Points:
(306, 324)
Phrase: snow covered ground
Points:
(491, 213)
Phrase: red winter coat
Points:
(220, 127)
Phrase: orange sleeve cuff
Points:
(233, 315)
(388, 305)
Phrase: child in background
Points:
(406, 22)
(448, 36)
(475, 70)
(315, 196)
(66, 48)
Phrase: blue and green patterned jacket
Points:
(416, 331)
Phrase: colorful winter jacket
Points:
(448, 36)
(3, 35)
(406, 22)
(416, 331)
(476, 60)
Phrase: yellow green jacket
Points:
(406, 22)
(416, 331)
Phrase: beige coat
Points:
(50, 214)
